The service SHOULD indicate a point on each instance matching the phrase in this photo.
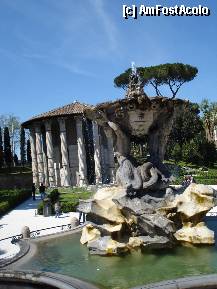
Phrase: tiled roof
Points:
(74, 108)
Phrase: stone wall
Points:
(15, 181)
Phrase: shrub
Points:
(209, 153)
(176, 153)
(40, 208)
(54, 196)
(69, 206)
(66, 206)
(69, 199)
(11, 198)
(191, 152)
(4, 207)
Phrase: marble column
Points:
(46, 175)
(64, 152)
(97, 153)
(39, 152)
(57, 174)
(50, 154)
(111, 162)
(34, 157)
(81, 154)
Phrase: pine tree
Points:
(8, 158)
(1, 150)
(28, 152)
(22, 146)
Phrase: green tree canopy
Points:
(186, 126)
(188, 140)
(172, 74)
(22, 146)
(209, 116)
(1, 150)
(7, 148)
(13, 124)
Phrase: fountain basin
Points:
(198, 282)
(39, 280)
(65, 255)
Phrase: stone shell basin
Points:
(137, 116)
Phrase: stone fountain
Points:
(141, 210)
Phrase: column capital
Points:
(79, 117)
(79, 121)
(62, 123)
(61, 118)
(37, 127)
(32, 129)
(47, 124)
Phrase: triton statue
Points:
(141, 210)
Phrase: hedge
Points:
(40, 208)
(4, 207)
(9, 199)
(68, 201)
(69, 206)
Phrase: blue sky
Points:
(53, 52)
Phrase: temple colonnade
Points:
(61, 154)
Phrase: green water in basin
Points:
(67, 256)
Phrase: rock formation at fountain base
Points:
(118, 223)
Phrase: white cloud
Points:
(60, 62)
(72, 68)
(107, 22)
(73, 40)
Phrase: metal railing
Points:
(14, 238)
(37, 233)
